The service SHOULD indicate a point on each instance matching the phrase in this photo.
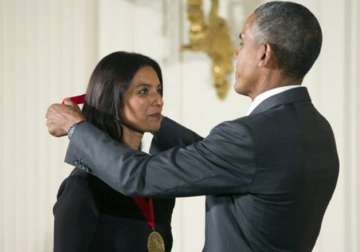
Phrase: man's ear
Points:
(266, 56)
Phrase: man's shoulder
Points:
(247, 125)
(232, 130)
(241, 123)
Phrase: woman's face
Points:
(143, 102)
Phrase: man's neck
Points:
(271, 81)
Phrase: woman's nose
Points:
(158, 100)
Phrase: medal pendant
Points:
(155, 242)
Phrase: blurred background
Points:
(48, 49)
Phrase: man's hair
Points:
(293, 32)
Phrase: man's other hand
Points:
(60, 117)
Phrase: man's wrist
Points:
(72, 129)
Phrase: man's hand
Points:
(60, 117)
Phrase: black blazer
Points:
(268, 177)
(90, 216)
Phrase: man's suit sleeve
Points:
(221, 163)
(172, 134)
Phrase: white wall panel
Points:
(330, 100)
(2, 120)
(47, 52)
(352, 125)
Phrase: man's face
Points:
(247, 58)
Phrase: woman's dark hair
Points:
(108, 83)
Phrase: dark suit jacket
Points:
(268, 177)
(90, 216)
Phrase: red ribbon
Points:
(80, 99)
(146, 206)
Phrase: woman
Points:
(124, 99)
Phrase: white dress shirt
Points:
(263, 96)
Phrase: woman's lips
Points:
(156, 116)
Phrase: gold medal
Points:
(155, 242)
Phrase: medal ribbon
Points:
(80, 99)
(146, 206)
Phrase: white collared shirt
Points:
(263, 96)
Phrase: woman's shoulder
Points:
(80, 184)
(77, 173)
(75, 191)
(77, 179)
(77, 188)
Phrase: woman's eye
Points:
(143, 91)
(159, 90)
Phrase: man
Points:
(268, 176)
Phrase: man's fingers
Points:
(53, 130)
(49, 110)
(57, 109)
(60, 117)
(67, 101)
